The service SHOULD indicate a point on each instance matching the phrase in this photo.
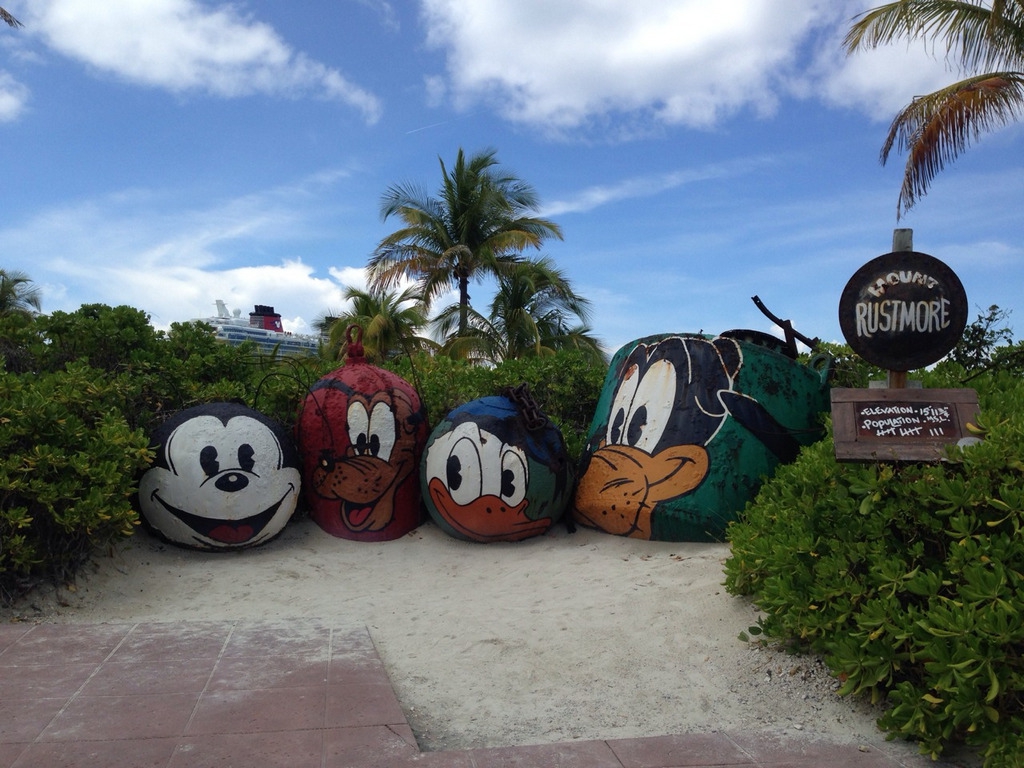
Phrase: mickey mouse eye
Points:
(246, 457)
(208, 461)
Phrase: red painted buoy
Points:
(361, 433)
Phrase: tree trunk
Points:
(463, 304)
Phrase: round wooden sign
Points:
(903, 310)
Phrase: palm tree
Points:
(530, 315)
(17, 294)
(934, 129)
(6, 16)
(478, 225)
(390, 323)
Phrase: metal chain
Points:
(531, 413)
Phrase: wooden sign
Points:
(900, 424)
(903, 310)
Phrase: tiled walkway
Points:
(281, 694)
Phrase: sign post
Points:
(900, 311)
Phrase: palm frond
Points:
(7, 17)
(974, 37)
(17, 293)
(935, 129)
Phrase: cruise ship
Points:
(263, 328)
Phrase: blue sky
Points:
(167, 153)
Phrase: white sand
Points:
(561, 637)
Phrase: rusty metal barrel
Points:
(687, 428)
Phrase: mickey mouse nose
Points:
(231, 482)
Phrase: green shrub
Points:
(848, 368)
(277, 386)
(908, 579)
(19, 334)
(566, 386)
(107, 338)
(68, 463)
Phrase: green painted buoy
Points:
(687, 428)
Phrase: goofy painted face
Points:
(225, 477)
(666, 407)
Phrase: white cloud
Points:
(565, 65)
(877, 82)
(146, 251)
(385, 11)
(648, 186)
(184, 46)
(13, 98)
(560, 63)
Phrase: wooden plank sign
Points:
(900, 424)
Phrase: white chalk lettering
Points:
(878, 288)
(887, 410)
(892, 316)
(909, 420)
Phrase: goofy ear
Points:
(729, 353)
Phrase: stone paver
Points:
(298, 694)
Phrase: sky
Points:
(164, 154)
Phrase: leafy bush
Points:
(107, 338)
(67, 472)
(848, 368)
(167, 372)
(18, 335)
(566, 386)
(982, 338)
(79, 394)
(907, 578)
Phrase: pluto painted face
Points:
(225, 477)
(487, 477)
(361, 434)
(380, 454)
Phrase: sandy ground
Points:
(566, 636)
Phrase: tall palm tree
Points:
(390, 321)
(531, 314)
(982, 37)
(478, 225)
(17, 294)
(6, 16)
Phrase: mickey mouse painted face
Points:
(225, 477)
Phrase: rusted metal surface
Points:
(361, 433)
(792, 335)
(903, 310)
(687, 428)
